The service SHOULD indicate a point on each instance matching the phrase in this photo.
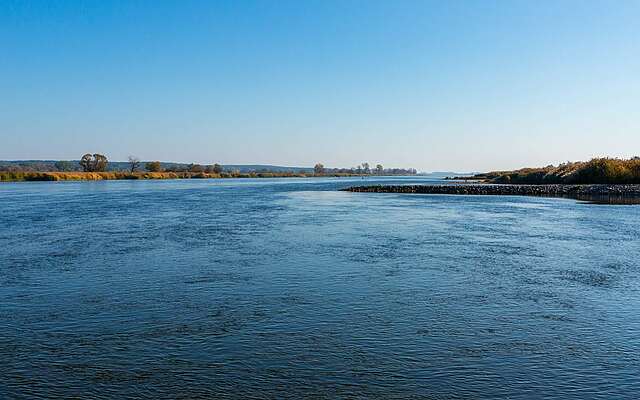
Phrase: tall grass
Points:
(11, 176)
(15, 176)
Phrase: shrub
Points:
(595, 171)
(153, 166)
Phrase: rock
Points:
(561, 190)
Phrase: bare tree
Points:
(93, 162)
(134, 163)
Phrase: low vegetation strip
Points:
(20, 176)
(96, 176)
(90, 176)
(506, 190)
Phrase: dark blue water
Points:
(289, 288)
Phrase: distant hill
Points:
(260, 167)
(446, 174)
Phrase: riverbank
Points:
(558, 190)
(97, 176)
(603, 171)
(121, 175)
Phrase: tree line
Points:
(363, 169)
(98, 162)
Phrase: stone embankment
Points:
(507, 190)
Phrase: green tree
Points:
(153, 166)
(93, 162)
(318, 169)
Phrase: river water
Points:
(288, 288)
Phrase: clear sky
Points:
(450, 85)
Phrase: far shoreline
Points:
(121, 175)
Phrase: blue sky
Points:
(448, 85)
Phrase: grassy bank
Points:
(595, 171)
(119, 175)
(95, 176)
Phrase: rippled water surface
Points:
(290, 288)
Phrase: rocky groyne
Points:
(560, 190)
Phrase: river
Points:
(289, 288)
